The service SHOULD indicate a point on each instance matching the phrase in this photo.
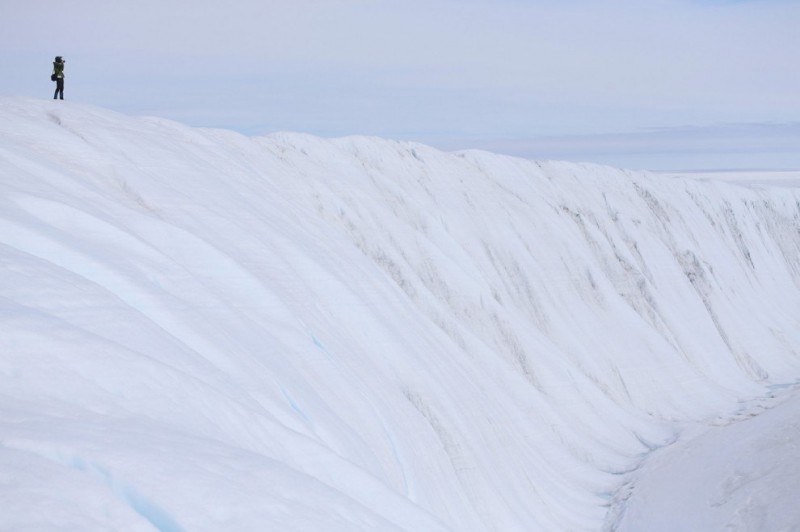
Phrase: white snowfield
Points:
(204, 331)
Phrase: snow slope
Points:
(203, 331)
(737, 476)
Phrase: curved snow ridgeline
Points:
(203, 331)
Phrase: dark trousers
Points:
(59, 88)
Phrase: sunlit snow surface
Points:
(203, 331)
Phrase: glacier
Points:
(207, 331)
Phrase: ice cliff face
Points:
(204, 331)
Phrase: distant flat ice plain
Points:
(783, 178)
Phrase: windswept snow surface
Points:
(203, 331)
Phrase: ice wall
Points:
(203, 331)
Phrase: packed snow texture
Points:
(204, 331)
(740, 476)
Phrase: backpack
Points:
(58, 68)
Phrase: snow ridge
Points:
(297, 333)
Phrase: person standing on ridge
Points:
(58, 76)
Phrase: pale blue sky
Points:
(611, 81)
